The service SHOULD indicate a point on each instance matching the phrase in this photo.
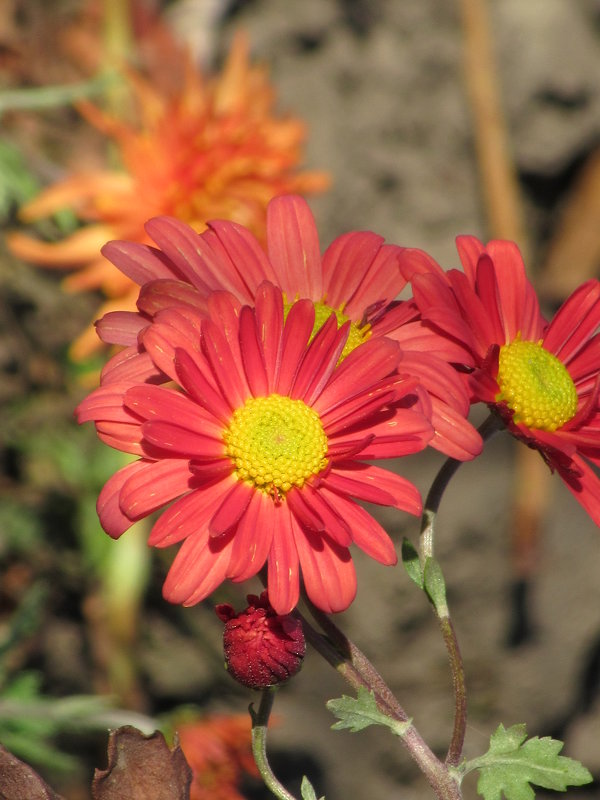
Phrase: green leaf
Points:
(512, 764)
(17, 184)
(308, 793)
(360, 712)
(412, 564)
(435, 586)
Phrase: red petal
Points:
(319, 361)
(173, 328)
(575, 323)
(155, 486)
(413, 261)
(106, 403)
(158, 295)
(269, 321)
(120, 327)
(296, 333)
(200, 386)
(585, 487)
(382, 283)
(293, 247)
(188, 515)
(330, 521)
(253, 538)
(199, 568)
(226, 370)
(283, 566)
(519, 306)
(232, 507)
(160, 404)
(181, 442)
(346, 262)
(188, 252)
(398, 433)
(129, 367)
(252, 355)
(112, 518)
(121, 436)
(245, 254)
(139, 262)
(353, 412)
(327, 570)
(367, 533)
(362, 368)
(373, 485)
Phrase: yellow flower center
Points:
(356, 335)
(276, 443)
(536, 386)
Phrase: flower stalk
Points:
(356, 668)
(491, 425)
(260, 721)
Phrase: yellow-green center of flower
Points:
(356, 335)
(536, 386)
(276, 443)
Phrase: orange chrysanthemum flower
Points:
(213, 150)
(219, 751)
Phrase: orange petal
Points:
(73, 191)
(79, 247)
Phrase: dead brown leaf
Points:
(142, 768)
(18, 780)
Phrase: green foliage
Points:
(360, 712)
(20, 525)
(24, 621)
(512, 764)
(428, 577)
(28, 722)
(435, 586)
(412, 563)
(308, 793)
(17, 184)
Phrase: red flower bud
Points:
(262, 648)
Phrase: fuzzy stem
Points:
(491, 425)
(460, 692)
(356, 668)
(260, 721)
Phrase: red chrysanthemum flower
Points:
(262, 448)
(541, 378)
(218, 749)
(357, 279)
(214, 148)
(262, 648)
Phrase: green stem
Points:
(460, 692)
(491, 425)
(260, 721)
(356, 668)
(39, 97)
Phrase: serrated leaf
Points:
(412, 563)
(512, 764)
(306, 788)
(356, 713)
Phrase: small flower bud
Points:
(262, 648)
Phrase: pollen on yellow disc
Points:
(356, 335)
(536, 386)
(276, 443)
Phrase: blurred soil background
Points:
(381, 85)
